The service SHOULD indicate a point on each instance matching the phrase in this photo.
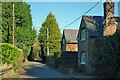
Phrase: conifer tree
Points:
(54, 35)
(24, 34)
(23, 23)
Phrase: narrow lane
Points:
(40, 70)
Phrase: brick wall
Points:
(71, 47)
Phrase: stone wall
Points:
(83, 48)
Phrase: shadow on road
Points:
(36, 69)
(39, 61)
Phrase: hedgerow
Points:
(10, 55)
(106, 56)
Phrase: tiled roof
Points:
(70, 35)
(95, 24)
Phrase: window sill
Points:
(82, 40)
(83, 63)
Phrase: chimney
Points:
(108, 9)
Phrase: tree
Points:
(54, 35)
(0, 22)
(23, 23)
(24, 34)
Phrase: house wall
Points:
(72, 47)
(86, 47)
(90, 50)
(83, 48)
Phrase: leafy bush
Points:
(10, 54)
(19, 45)
(36, 49)
(26, 51)
(106, 55)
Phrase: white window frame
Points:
(83, 58)
(83, 35)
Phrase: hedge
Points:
(106, 56)
(10, 54)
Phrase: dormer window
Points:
(83, 35)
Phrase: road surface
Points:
(40, 70)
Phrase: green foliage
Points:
(35, 50)
(26, 51)
(54, 35)
(10, 55)
(106, 55)
(23, 23)
(24, 34)
(19, 45)
(0, 22)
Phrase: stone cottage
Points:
(92, 27)
(69, 42)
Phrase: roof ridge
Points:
(100, 16)
(91, 16)
(71, 29)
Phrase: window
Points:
(83, 34)
(63, 41)
(83, 60)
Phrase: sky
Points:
(65, 12)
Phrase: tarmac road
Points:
(40, 70)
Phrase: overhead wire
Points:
(81, 15)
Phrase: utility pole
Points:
(47, 42)
(13, 27)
